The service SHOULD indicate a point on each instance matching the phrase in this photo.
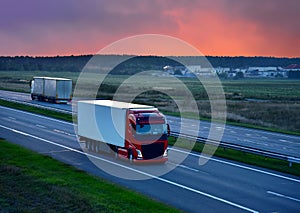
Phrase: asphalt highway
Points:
(258, 139)
(217, 186)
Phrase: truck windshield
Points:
(151, 129)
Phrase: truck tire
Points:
(116, 151)
(130, 155)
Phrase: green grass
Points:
(248, 158)
(30, 182)
(265, 89)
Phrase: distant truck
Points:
(56, 90)
(131, 131)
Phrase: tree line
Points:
(132, 64)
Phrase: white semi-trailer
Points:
(57, 90)
(133, 131)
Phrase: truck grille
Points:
(152, 150)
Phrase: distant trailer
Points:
(56, 90)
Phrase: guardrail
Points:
(223, 144)
(289, 159)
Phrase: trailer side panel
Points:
(102, 123)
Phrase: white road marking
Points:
(17, 131)
(246, 140)
(137, 171)
(282, 140)
(219, 128)
(12, 118)
(240, 166)
(63, 132)
(41, 126)
(64, 150)
(183, 166)
(283, 196)
(193, 154)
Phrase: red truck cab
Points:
(146, 136)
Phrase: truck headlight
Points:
(139, 154)
(165, 153)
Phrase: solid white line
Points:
(237, 165)
(137, 171)
(284, 196)
(19, 132)
(193, 154)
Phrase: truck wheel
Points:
(116, 151)
(130, 155)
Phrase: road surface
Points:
(217, 186)
(258, 139)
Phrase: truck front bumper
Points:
(154, 160)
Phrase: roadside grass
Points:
(30, 182)
(236, 155)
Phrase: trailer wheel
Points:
(116, 151)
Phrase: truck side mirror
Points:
(168, 130)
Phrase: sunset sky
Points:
(218, 27)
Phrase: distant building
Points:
(293, 71)
(190, 71)
(266, 72)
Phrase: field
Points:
(268, 103)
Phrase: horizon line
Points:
(90, 54)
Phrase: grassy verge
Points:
(248, 158)
(30, 182)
